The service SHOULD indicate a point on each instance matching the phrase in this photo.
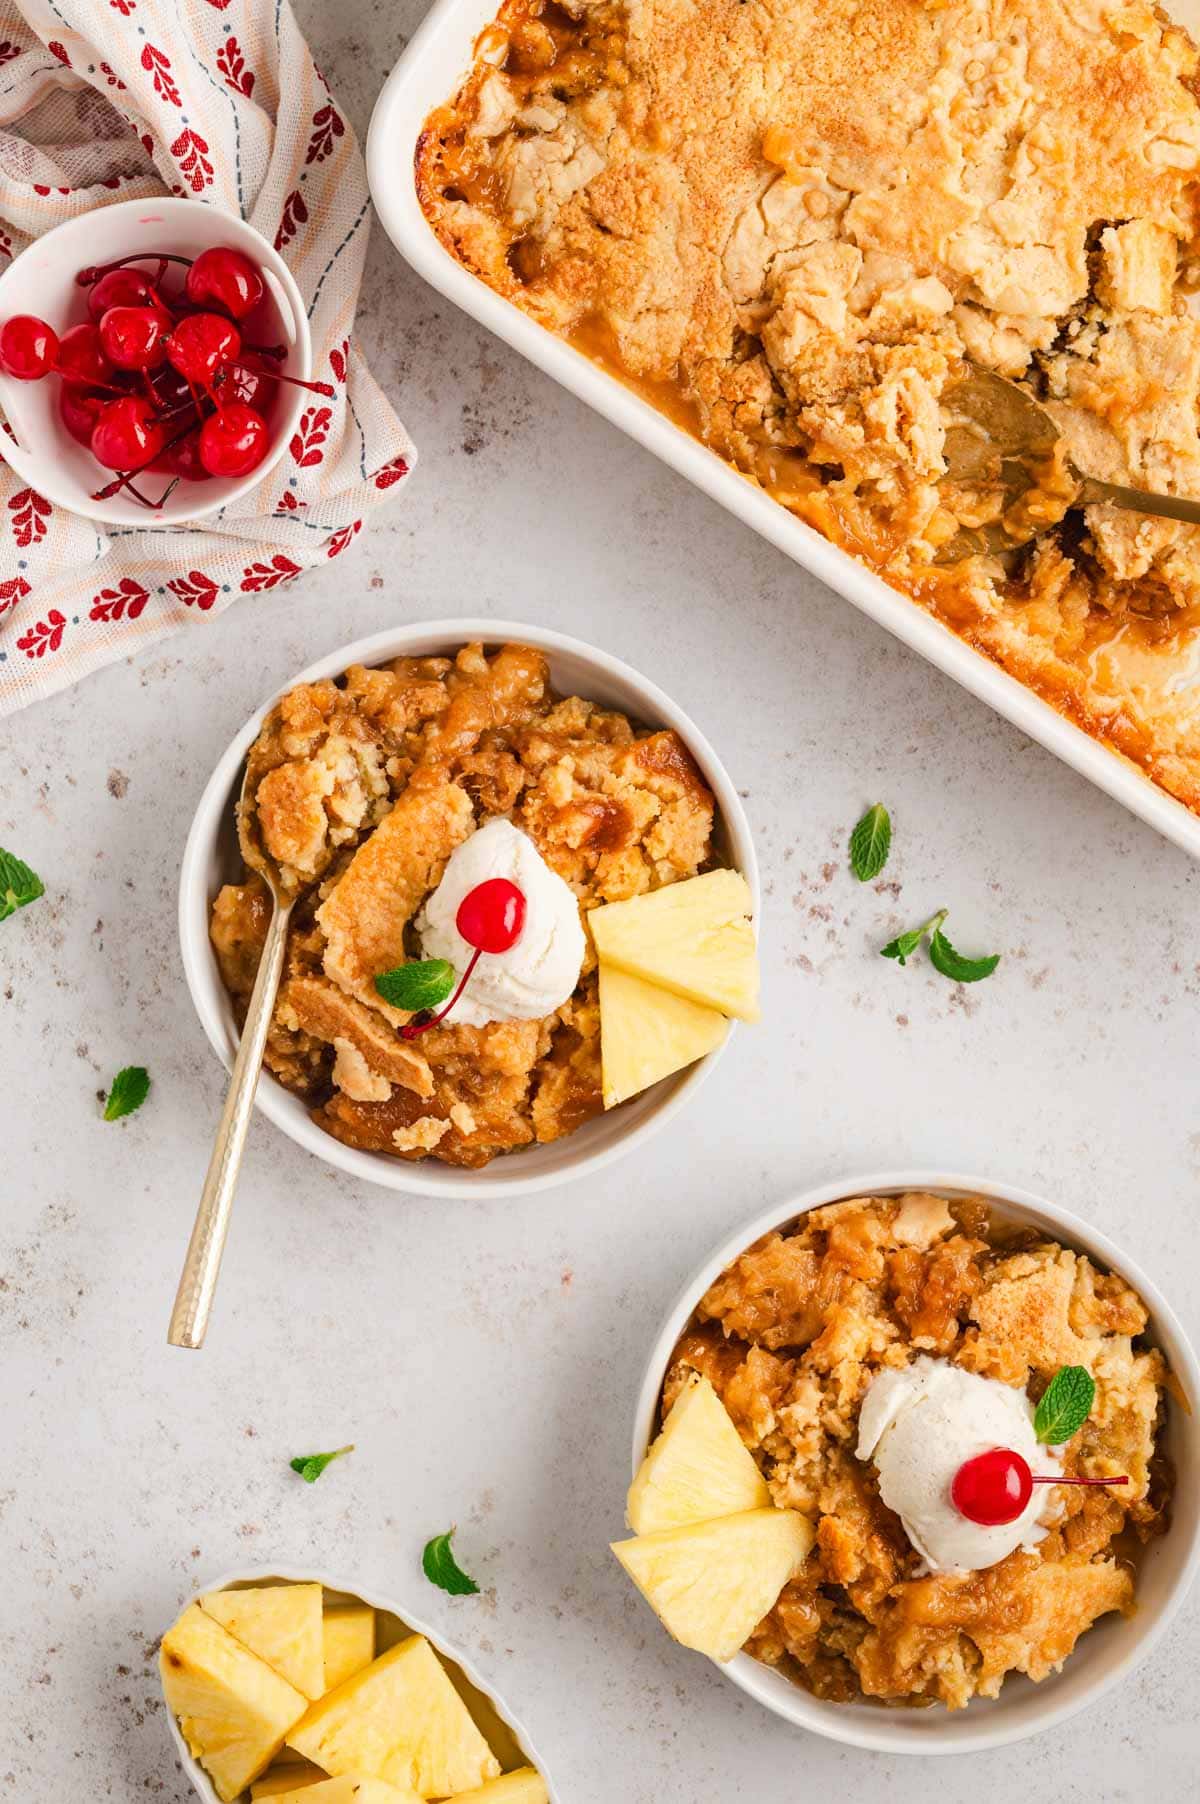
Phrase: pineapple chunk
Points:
(697, 1469)
(279, 1623)
(400, 1719)
(287, 1776)
(647, 1033)
(349, 1790)
(713, 1582)
(234, 1711)
(525, 1787)
(694, 938)
(349, 1642)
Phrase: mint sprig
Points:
(423, 984)
(954, 965)
(311, 1465)
(1065, 1405)
(905, 944)
(942, 955)
(130, 1088)
(870, 843)
(19, 886)
(442, 1569)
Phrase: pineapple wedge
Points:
(287, 1776)
(279, 1623)
(713, 1582)
(234, 1711)
(697, 1469)
(648, 1033)
(400, 1719)
(525, 1787)
(349, 1631)
(349, 1790)
(694, 938)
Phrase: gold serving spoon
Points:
(998, 436)
(202, 1264)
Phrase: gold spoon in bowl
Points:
(999, 437)
(202, 1263)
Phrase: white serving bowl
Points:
(211, 858)
(435, 61)
(1104, 1655)
(506, 1734)
(42, 281)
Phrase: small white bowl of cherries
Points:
(157, 382)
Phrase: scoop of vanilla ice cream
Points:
(919, 1424)
(538, 973)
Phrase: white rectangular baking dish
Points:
(426, 76)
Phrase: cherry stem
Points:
(124, 478)
(1049, 1479)
(98, 388)
(94, 271)
(248, 369)
(414, 1028)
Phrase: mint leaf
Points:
(19, 886)
(130, 1088)
(870, 843)
(1065, 1406)
(441, 1568)
(953, 965)
(905, 944)
(423, 984)
(311, 1465)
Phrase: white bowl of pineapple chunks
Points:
(671, 1043)
(293, 1688)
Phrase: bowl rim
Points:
(801, 1709)
(208, 997)
(34, 471)
(261, 1575)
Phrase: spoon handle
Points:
(198, 1283)
(1140, 501)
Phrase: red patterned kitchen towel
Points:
(104, 100)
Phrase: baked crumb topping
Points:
(792, 227)
(791, 1337)
(361, 789)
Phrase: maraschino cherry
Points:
(234, 441)
(121, 287)
(134, 338)
(491, 917)
(128, 434)
(201, 344)
(225, 278)
(28, 347)
(183, 458)
(994, 1487)
(79, 409)
(81, 357)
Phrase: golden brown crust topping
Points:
(791, 1336)
(363, 790)
(791, 226)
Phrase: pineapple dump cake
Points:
(450, 827)
(794, 228)
(823, 1491)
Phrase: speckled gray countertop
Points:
(485, 1359)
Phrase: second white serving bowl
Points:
(1103, 1656)
(211, 858)
(505, 1734)
(42, 281)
